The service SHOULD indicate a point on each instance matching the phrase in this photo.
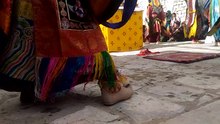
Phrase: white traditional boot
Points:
(124, 93)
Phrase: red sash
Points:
(5, 15)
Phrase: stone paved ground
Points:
(165, 93)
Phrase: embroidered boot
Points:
(111, 98)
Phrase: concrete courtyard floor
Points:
(165, 93)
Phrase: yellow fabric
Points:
(156, 2)
(25, 9)
(192, 11)
(193, 28)
(185, 32)
(127, 38)
(99, 66)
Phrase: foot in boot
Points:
(26, 98)
(27, 94)
(113, 98)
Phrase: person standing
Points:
(46, 51)
(155, 17)
(214, 14)
(196, 22)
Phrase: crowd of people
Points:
(163, 26)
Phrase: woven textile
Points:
(182, 57)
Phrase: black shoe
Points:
(27, 94)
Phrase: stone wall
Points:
(177, 6)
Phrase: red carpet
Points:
(182, 57)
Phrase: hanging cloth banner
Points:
(64, 28)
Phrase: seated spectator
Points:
(178, 34)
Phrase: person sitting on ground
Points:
(168, 20)
(174, 20)
(178, 34)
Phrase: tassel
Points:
(98, 66)
(101, 66)
(109, 69)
